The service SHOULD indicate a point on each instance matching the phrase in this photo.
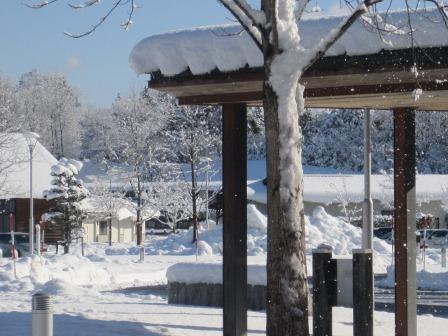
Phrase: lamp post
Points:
(31, 140)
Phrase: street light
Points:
(31, 140)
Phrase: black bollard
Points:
(324, 290)
(362, 293)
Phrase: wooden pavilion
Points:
(405, 78)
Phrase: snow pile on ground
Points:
(210, 241)
(321, 228)
(432, 278)
(342, 236)
(34, 272)
(63, 274)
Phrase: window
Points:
(103, 227)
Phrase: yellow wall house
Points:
(96, 225)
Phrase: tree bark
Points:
(287, 288)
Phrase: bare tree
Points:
(50, 105)
(195, 142)
(10, 123)
(349, 206)
(172, 200)
(138, 122)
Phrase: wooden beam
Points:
(405, 226)
(235, 219)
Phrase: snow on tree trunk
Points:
(286, 265)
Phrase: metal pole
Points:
(13, 243)
(364, 315)
(31, 224)
(206, 190)
(38, 239)
(367, 207)
(142, 253)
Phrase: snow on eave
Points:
(228, 48)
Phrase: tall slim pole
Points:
(31, 235)
(206, 190)
(367, 207)
(363, 293)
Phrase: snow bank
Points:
(210, 273)
(229, 48)
(434, 278)
(255, 219)
(320, 228)
(342, 236)
(34, 272)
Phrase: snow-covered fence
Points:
(201, 284)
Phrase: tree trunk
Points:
(67, 232)
(287, 287)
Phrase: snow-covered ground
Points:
(92, 293)
(88, 300)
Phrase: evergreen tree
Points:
(66, 194)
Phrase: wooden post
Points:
(324, 291)
(362, 293)
(405, 241)
(235, 219)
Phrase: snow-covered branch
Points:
(321, 48)
(41, 4)
(301, 8)
(251, 19)
(85, 4)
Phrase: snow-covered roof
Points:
(227, 48)
(14, 179)
(326, 189)
(88, 205)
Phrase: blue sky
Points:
(97, 64)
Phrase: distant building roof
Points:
(15, 167)
(332, 188)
